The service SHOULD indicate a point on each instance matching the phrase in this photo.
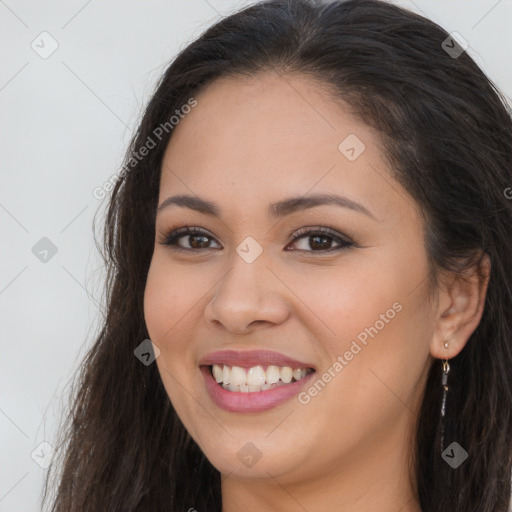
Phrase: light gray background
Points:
(65, 123)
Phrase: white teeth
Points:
(286, 374)
(273, 374)
(217, 372)
(250, 380)
(238, 376)
(256, 376)
(226, 373)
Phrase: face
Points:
(314, 315)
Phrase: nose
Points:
(249, 295)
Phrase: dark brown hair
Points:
(447, 134)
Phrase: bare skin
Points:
(249, 143)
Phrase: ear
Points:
(459, 308)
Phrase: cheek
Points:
(378, 381)
(377, 314)
(156, 303)
(347, 300)
(168, 310)
(169, 296)
(169, 302)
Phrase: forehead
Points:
(271, 136)
(283, 114)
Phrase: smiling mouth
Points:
(256, 378)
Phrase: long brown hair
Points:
(447, 134)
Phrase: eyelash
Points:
(171, 238)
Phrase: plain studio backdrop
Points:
(73, 80)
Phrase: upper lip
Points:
(249, 358)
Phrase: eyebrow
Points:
(275, 210)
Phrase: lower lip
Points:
(255, 401)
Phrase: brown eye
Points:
(197, 239)
(320, 240)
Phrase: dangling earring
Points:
(444, 382)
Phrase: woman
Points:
(309, 256)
